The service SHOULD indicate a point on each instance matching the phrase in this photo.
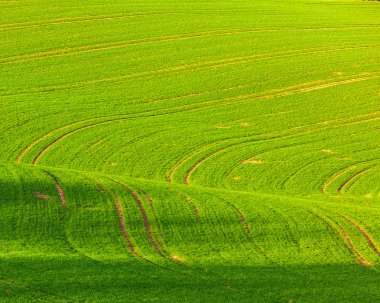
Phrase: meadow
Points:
(190, 151)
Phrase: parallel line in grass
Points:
(362, 260)
(241, 216)
(119, 44)
(64, 205)
(120, 118)
(89, 18)
(364, 233)
(252, 140)
(144, 216)
(353, 177)
(179, 70)
(346, 237)
(189, 108)
(162, 183)
(214, 143)
(62, 137)
(150, 201)
(182, 161)
(120, 213)
(191, 204)
(251, 159)
(122, 224)
(143, 77)
(178, 165)
(69, 51)
(63, 21)
(254, 157)
(308, 89)
(340, 173)
(294, 89)
(175, 71)
(119, 210)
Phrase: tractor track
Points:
(364, 233)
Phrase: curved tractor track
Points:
(364, 233)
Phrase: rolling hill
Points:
(189, 151)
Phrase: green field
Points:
(190, 151)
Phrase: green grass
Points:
(194, 151)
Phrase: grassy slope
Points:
(198, 151)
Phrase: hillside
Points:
(189, 151)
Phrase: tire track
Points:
(64, 205)
(122, 224)
(144, 216)
(120, 213)
(59, 189)
(310, 89)
(150, 201)
(202, 105)
(35, 142)
(74, 20)
(179, 164)
(342, 188)
(346, 237)
(184, 160)
(120, 44)
(69, 51)
(241, 216)
(364, 233)
(258, 139)
(190, 203)
(35, 160)
(352, 248)
(199, 163)
(341, 173)
(186, 68)
(160, 251)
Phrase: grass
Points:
(165, 151)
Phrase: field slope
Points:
(189, 151)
